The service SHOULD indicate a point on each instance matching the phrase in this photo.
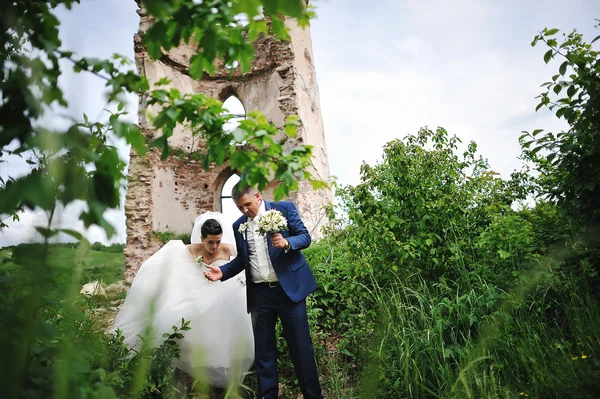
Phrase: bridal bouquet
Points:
(272, 221)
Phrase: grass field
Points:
(106, 264)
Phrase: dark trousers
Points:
(268, 304)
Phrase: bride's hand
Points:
(214, 273)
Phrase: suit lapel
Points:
(269, 205)
(245, 239)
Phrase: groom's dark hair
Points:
(239, 190)
(211, 227)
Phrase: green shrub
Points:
(114, 248)
(166, 236)
(53, 348)
(428, 278)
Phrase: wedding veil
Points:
(228, 237)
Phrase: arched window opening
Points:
(235, 108)
(228, 207)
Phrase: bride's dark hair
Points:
(211, 227)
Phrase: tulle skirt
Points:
(219, 347)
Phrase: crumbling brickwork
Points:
(167, 195)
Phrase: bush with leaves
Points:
(422, 208)
(569, 162)
(58, 347)
(150, 373)
(422, 231)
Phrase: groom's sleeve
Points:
(237, 264)
(232, 268)
(299, 237)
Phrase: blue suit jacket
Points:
(291, 268)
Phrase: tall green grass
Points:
(534, 333)
(408, 337)
(467, 339)
(54, 347)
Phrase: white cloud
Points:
(467, 66)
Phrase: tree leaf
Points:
(73, 233)
(537, 149)
(239, 135)
(563, 68)
(256, 28)
(136, 139)
(557, 88)
(318, 184)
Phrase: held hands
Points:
(215, 273)
(279, 242)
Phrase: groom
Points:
(279, 280)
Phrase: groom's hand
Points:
(214, 274)
(279, 242)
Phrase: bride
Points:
(170, 285)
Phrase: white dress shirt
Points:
(261, 268)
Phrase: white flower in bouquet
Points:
(272, 221)
(199, 260)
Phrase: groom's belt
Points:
(270, 284)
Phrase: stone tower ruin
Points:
(166, 196)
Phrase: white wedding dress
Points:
(169, 286)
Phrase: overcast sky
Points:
(385, 68)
